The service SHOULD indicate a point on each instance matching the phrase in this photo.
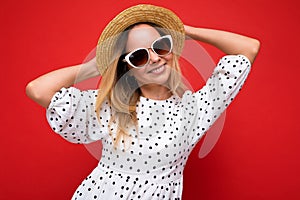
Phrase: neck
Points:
(156, 92)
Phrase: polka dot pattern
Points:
(71, 114)
(150, 165)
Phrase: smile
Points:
(157, 70)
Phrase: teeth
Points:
(158, 69)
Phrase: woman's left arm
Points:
(229, 43)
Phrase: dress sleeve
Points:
(72, 115)
(206, 105)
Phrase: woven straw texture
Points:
(140, 13)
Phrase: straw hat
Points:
(162, 17)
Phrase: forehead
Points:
(141, 35)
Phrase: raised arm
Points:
(42, 89)
(229, 43)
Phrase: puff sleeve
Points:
(203, 107)
(72, 115)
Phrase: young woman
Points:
(147, 120)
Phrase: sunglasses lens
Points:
(162, 46)
(139, 58)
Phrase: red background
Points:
(257, 155)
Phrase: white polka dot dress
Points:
(150, 165)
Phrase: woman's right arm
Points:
(42, 89)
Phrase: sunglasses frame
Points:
(127, 57)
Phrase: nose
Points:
(153, 56)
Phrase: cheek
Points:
(137, 72)
(169, 58)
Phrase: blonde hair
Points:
(122, 91)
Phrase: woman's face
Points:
(157, 71)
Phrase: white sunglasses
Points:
(140, 57)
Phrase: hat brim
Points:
(160, 16)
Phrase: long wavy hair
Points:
(122, 90)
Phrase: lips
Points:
(157, 70)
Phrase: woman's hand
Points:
(229, 43)
(42, 89)
(88, 70)
(188, 32)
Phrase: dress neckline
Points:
(146, 99)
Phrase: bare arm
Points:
(42, 89)
(229, 43)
